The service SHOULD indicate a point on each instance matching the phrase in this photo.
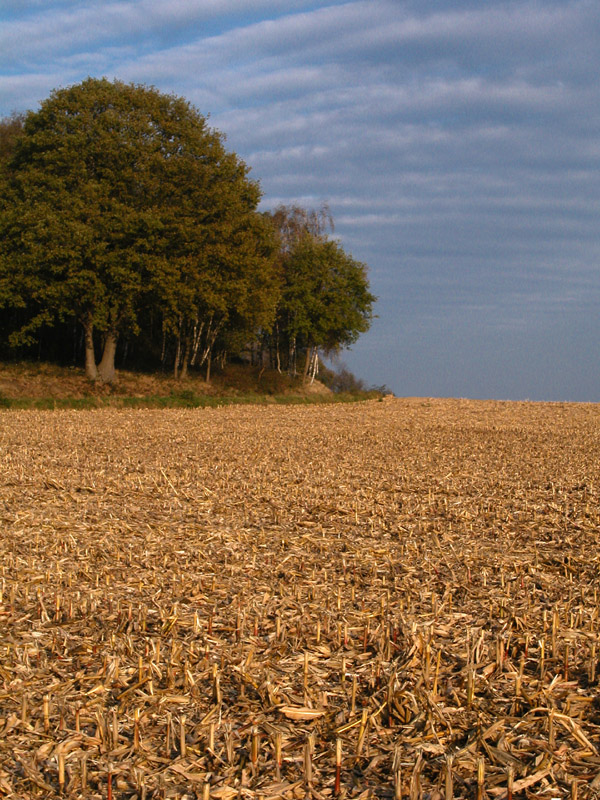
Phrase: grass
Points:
(47, 386)
(184, 399)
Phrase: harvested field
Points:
(388, 599)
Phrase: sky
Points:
(456, 142)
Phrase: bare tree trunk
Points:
(91, 370)
(315, 365)
(277, 356)
(106, 367)
(177, 358)
(163, 353)
(196, 335)
(211, 338)
(307, 364)
(186, 357)
(177, 353)
(292, 358)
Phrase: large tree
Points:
(117, 197)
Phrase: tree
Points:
(223, 282)
(10, 129)
(325, 299)
(117, 197)
(293, 222)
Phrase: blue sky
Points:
(456, 143)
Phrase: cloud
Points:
(455, 141)
(72, 26)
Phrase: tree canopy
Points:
(123, 213)
(325, 300)
(10, 130)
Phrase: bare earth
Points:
(211, 603)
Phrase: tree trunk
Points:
(309, 353)
(177, 359)
(106, 368)
(315, 365)
(277, 356)
(196, 342)
(91, 370)
(292, 357)
(186, 358)
(208, 362)
(177, 353)
(163, 354)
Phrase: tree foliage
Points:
(125, 222)
(117, 196)
(10, 130)
(325, 300)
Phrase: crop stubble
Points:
(394, 599)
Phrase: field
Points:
(382, 599)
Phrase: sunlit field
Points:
(383, 599)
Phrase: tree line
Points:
(130, 235)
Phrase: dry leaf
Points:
(300, 712)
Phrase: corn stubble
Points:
(394, 599)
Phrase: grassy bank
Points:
(178, 400)
(47, 386)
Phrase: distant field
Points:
(385, 599)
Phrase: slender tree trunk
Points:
(186, 358)
(91, 370)
(307, 363)
(196, 342)
(106, 367)
(292, 357)
(208, 362)
(177, 353)
(163, 356)
(277, 356)
(177, 357)
(315, 365)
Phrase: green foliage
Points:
(10, 130)
(325, 299)
(118, 197)
(124, 222)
